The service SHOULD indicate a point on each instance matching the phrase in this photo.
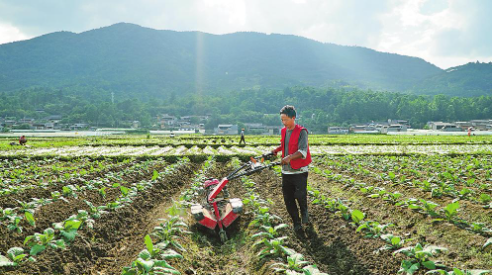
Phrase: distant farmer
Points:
(22, 140)
(295, 160)
(469, 131)
(242, 137)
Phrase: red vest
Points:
(293, 147)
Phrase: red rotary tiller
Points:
(223, 211)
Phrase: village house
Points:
(166, 121)
(443, 126)
(226, 129)
(338, 130)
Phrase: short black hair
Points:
(289, 111)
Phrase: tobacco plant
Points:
(295, 262)
(269, 232)
(457, 271)
(312, 270)
(39, 242)
(14, 257)
(373, 229)
(419, 257)
(273, 248)
(170, 232)
(392, 242)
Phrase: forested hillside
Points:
(472, 79)
(141, 62)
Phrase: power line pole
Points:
(112, 97)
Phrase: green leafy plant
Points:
(155, 175)
(14, 224)
(419, 257)
(451, 210)
(30, 218)
(344, 211)
(485, 198)
(373, 229)
(357, 216)
(68, 229)
(26, 207)
(392, 197)
(69, 191)
(39, 242)
(428, 207)
(273, 248)
(96, 211)
(392, 242)
(15, 256)
(312, 270)
(264, 218)
(457, 271)
(170, 232)
(146, 265)
(295, 262)
(269, 232)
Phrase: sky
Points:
(446, 33)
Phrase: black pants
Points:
(242, 140)
(294, 187)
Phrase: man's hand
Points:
(286, 160)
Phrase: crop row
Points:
(61, 234)
(50, 178)
(69, 196)
(110, 151)
(165, 244)
(453, 182)
(417, 256)
(448, 213)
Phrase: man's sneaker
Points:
(298, 230)
(297, 227)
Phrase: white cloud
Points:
(9, 33)
(444, 32)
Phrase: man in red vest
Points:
(295, 160)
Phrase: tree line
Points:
(317, 108)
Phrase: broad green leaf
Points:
(395, 240)
(37, 249)
(429, 264)
(357, 216)
(124, 190)
(147, 265)
(69, 235)
(72, 224)
(155, 175)
(30, 218)
(148, 243)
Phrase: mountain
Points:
(472, 79)
(136, 61)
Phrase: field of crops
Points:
(379, 205)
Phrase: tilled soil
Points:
(335, 247)
(60, 210)
(207, 255)
(470, 211)
(463, 244)
(116, 238)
